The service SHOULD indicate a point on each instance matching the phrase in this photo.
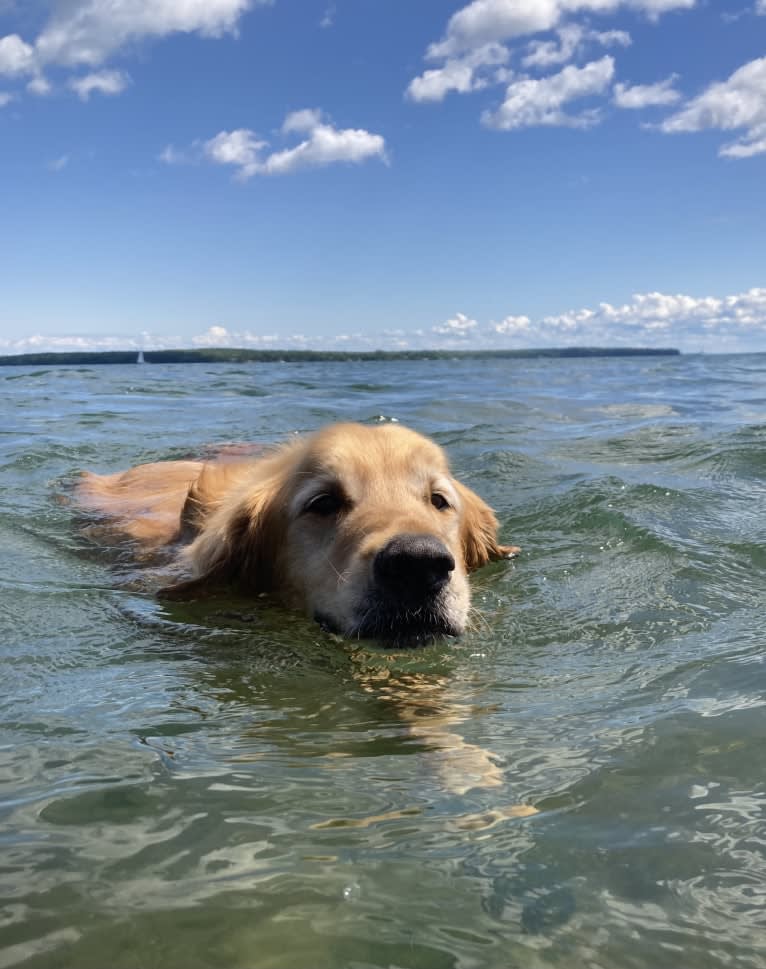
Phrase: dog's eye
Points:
(439, 501)
(325, 504)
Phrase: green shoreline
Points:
(231, 355)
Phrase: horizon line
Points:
(273, 354)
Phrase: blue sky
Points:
(382, 173)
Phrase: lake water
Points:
(579, 782)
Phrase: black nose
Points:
(413, 567)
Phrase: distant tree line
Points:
(230, 355)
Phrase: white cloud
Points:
(43, 343)
(646, 95)
(240, 148)
(102, 82)
(540, 101)
(760, 7)
(691, 323)
(669, 319)
(220, 336)
(215, 336)
(40, 86)
(481, 26)
(739, 102)
(16, 56)
(512, 326)
(58, 164)
(460, 325)
(300, 122)
(462, 74)
(323, 145)
(654, 319)
(484, 21)
(572, 38)
(88, 31)
(174, 156)
(328, 17)
(5, 98)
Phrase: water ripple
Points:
(577, 781)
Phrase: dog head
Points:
(364, 528)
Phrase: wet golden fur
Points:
(270, 524)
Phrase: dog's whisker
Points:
(342, 576)
(476, 618)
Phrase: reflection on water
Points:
(578, 781)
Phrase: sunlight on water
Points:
(577, 781)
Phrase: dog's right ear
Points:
(479, 532)
(238, 546)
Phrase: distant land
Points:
(231, 355)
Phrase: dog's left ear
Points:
(238, 546)
(478, 533)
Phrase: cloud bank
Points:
(735, 323)
(485, 44)
(475, 49)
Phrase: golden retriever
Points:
(362, 527)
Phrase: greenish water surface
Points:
(577, 782)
